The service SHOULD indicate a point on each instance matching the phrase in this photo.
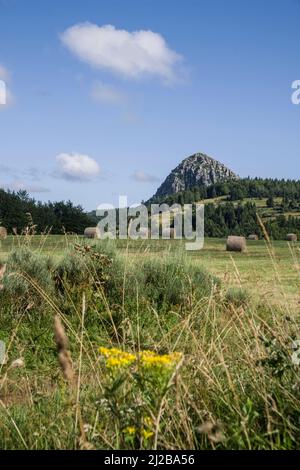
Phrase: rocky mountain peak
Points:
(197, 170)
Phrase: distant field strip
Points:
(258, 270)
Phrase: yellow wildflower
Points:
(104, 351)
(118, 362)
(118, 358)
(147, 434)
(148, 421)
(149, 359)
(130, 430)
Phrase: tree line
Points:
(18, 210)
(233, 216)
(236, 190)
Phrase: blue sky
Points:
(96, 111)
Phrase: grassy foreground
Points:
(141, 345)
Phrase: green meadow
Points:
(271, 271)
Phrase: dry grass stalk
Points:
(14, 424)
(78, 418)
(2, 272)
(262, 226)
(66, 364)
(272, 255)
(172, 379)
(3, 233)
(64, 356)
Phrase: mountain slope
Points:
(197, 170)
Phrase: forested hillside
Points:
(228, 218)
(231, 207)
(238, 190)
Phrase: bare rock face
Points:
(196, 170)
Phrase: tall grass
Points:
(237, 386)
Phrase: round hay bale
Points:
(253, 237)
(3, 233)
(237, 244)
(291, 237)
(92, 232)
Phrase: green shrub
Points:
(83, 266)
(173, 281)
(27, 278)
(237, 296)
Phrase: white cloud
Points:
(76, 167)
(131, 54)
(104, 93)
(6, 97)
(2, 93)
(142, 177)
